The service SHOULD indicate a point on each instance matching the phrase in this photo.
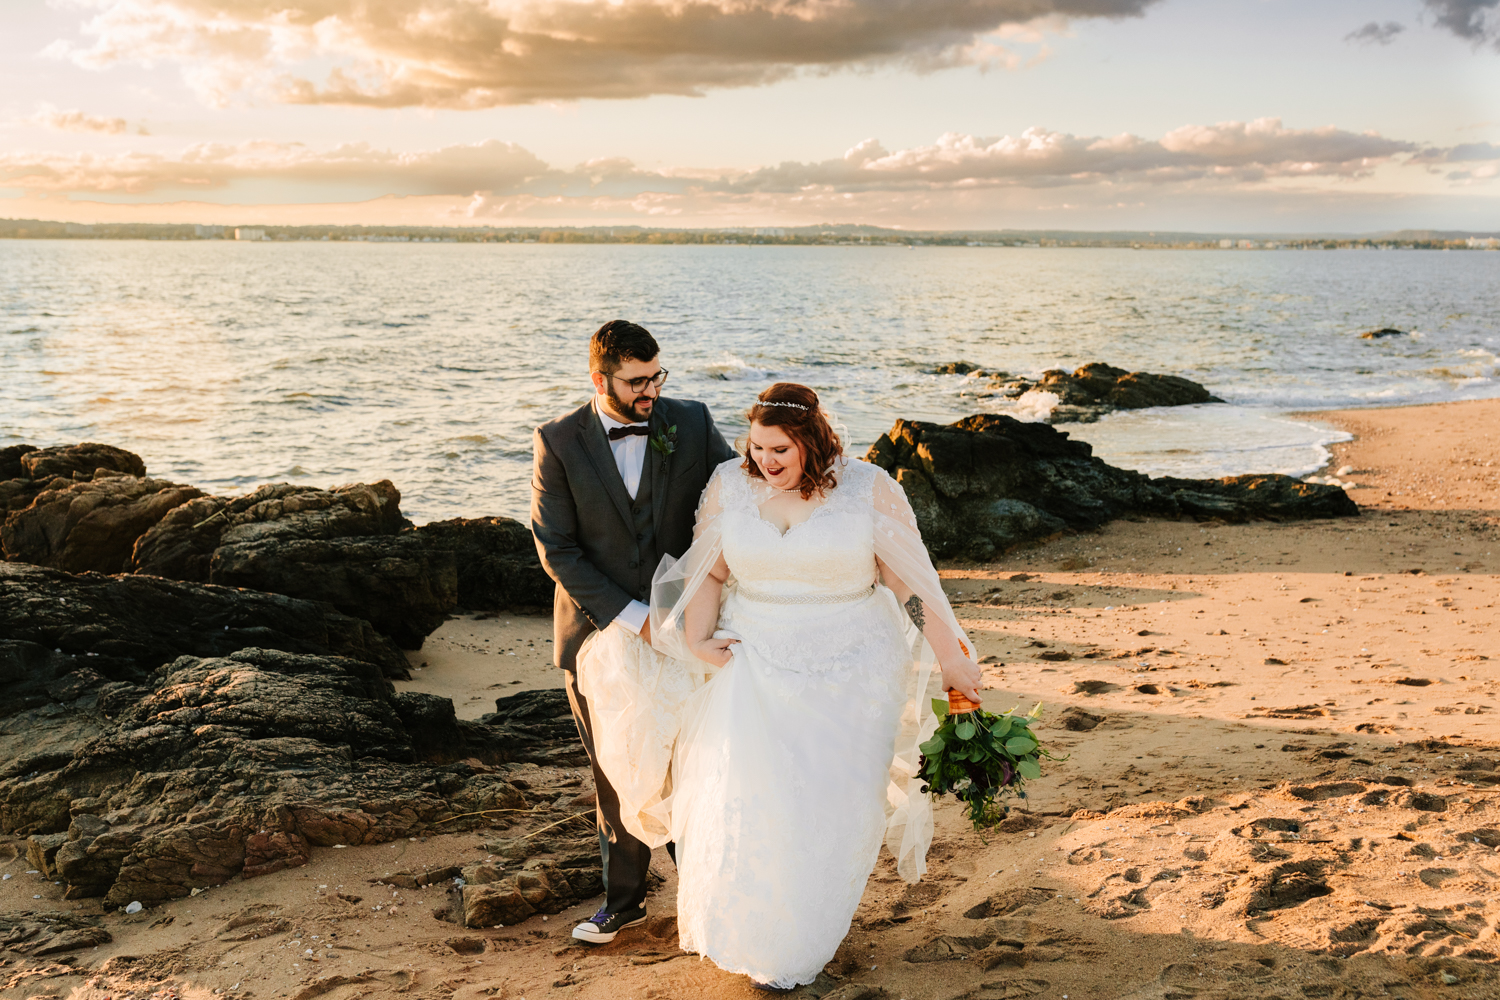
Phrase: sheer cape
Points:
(898, 545)
(636, 698)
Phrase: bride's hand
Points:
(962, 675)
(715, 651)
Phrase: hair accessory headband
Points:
(795, 406)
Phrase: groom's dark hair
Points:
(619, 341)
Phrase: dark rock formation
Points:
(125, 627)
(348, 546)
(541, 719)
(78, 507)
(182, 544)
(26, 470)
(341, 546)
(1382, 333)
(1093, 390)
(432, 723)
(158, 736)
(989, 482)
(10, 461)
(962, 368)
(966, 482)
(494, 897)
(238, 765)
(396, 583)
(1271, 496)
(89, 526)
(496, 559)
(78, 461)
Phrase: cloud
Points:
(1228, 151)
(1225, 153)
(1475, 20)
(489, 165)
(484, 53)
(78, 121)
(1485, 157)
(1462, 153)
(1258, 174)
(1375, 32)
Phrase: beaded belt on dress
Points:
(844, 598)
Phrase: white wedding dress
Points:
(791, 765)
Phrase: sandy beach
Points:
(1282, 779)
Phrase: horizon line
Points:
(775, 231)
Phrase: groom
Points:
(614, 487)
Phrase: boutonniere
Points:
(665, 441)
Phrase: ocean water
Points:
(228, 365)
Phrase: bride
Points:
(799, 634)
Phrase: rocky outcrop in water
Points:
(210, 767)
(75, 461)
(348, 546)
(1089, 392)
(90, 526)
(26, 470)
(10, 461)
(988, 482)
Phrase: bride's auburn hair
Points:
(794, 409)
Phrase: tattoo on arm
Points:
(914, 609)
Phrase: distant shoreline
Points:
(825, 235)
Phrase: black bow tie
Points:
(616, 433)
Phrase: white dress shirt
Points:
(629, 452)
(630, 459)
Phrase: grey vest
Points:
(646, 556)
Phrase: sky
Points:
(1202, 115)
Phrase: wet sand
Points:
(1283, 759)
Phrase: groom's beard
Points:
(628, 412)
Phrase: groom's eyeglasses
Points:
(638, 385)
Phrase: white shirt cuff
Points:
(634, 616)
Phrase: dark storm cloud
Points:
(1475, 20)
(1376, 33)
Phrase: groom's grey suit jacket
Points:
(599, 544)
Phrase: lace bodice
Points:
(832, 552)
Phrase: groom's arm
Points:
(554, 523)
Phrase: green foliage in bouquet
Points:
(981, 757)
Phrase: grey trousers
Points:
(626, 859)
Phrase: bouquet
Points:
(981, 757)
